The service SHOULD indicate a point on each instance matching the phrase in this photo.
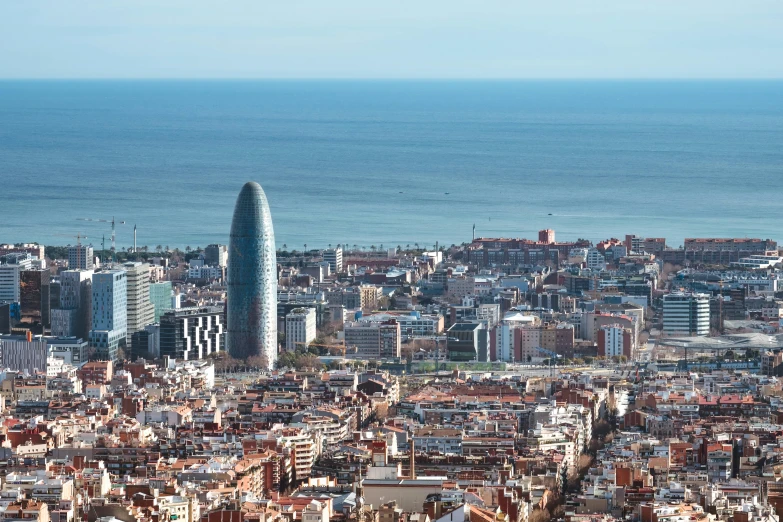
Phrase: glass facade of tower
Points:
(252, 279)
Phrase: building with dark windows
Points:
(192, 333)
(252, 279)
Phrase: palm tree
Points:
(408, 246)
(330, 246)
(285, 247)
(159, 248)
(354, 246)
(416, 245)
(305, 250)
(399, 247)
(187, 248)
(372, 247)
(167, 248)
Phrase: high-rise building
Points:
(191, 333)
(252, 278)
(334, 256)
(160, 297)
(109, 313)
(10, 267)
(34, 299)
(216, 255)
(300, 328)
(80, 257)
(686, 314)
(72, 315)
(141, 311)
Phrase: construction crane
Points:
(78, 237)
(341, 347)
(113, 232)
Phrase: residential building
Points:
(80, 257)
(216, 255)
(300, 328)
(369, 296)
(595, 260)
(334, 256)
(373, 340)
(614, 341)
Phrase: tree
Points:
(159, 248)
(187, 248)
(539, 515)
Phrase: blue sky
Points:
(392, 39)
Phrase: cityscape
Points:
(475, 261)
(500, 379)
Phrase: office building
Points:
(192, 333)
(80, 257)
(468, 341)
(35, 300)
(160, 297)
(216, 255)
(141, 311)
(252, 279)
(299, 328)
(10, 267)
(373, 341)
(72, 350)
(109, 313)
(22, 353)
(686, 314)
(334, 256)
(72, 315)
(146, 343)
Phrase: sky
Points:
(391, 39)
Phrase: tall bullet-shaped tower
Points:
(252, 279)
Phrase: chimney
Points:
(413, 458)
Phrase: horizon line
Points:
(400, 79)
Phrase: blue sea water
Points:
(391, 162)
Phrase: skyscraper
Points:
(252, 279)
(109, 313)
(141, 311)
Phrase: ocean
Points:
(390, 162)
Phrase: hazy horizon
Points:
(352, 40)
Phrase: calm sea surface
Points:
(392, 163)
